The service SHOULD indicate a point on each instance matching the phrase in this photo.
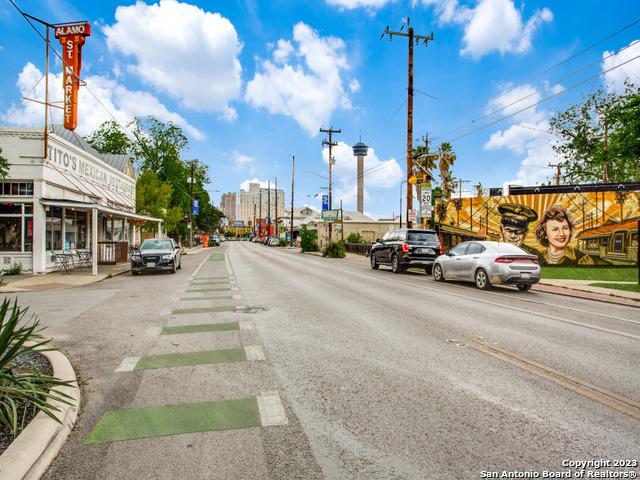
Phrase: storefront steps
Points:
(29, 283)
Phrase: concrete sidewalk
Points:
(29, 283)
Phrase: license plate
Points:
(151, 264)
(525, 275)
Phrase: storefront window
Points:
(15, 220)
(54, 228)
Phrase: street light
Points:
(401, 183)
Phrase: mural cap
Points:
(518, 216)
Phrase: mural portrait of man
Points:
(514, 222)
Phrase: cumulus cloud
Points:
(123, 103)
(614, 80)
(182, 50)
(378, 173)
(527, 135)
(304, 80)
(490, 26)
(352, 4)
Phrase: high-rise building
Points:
(229, 206)
(249, 203)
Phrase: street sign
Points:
(196, 207)
(412, 215)
(426, 200)
(330, 214)
(325, 202)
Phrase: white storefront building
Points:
(75, 206)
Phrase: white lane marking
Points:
(333, 267)
(128, 364)
(195, 272)
(271, 410)
(246, 325)
(153, 331)
(254, 353)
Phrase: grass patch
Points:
(627, 287)
(610, 274)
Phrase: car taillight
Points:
(503, 260)
(405, 247)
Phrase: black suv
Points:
(404, 248)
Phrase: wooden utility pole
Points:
(293, 167)
(331, 144)
(425, 40)
(192, 181)
(557, 167)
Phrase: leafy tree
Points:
(602, 129)
(4, 166)
(152, 198)
(109, 138)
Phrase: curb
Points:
(35, 448)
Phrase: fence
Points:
(359, 248)
(111, 253)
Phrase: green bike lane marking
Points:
(200, 328)
(186, 311)
(188, 359)
(165, 420)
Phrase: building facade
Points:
(229, 206)
(259, 201)
(65, 200)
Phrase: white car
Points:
(488, 263)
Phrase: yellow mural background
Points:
(596, 216)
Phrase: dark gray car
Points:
(157, 254)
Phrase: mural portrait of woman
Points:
(554, 231)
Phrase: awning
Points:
(101, 208)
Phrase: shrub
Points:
(334, 250)
(308, 240)
(16, 269)
(354, 238)
(24, 393)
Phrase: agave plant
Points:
(23, 393)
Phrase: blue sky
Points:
(251, 82)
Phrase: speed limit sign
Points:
(425, 200)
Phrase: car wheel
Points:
(524, 288)
(437, 273)
(482, 279)
(395, 264)
(374, 261)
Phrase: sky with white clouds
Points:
(251, 82)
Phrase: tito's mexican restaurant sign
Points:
(72, 39)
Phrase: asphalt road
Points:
(380, 375)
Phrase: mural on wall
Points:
(590, 228)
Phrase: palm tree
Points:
(447, 159)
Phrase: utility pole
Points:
(293, 167)
(331, 144)
(557, 167)
(192, 180)
(460, 182)
(269, 209)
(276, 231)
(425, 40)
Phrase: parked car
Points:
(488, 263)
(157, 254)
(405, 248)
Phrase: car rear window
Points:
(422, 237)
(510, 249)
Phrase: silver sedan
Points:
(488, 263)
